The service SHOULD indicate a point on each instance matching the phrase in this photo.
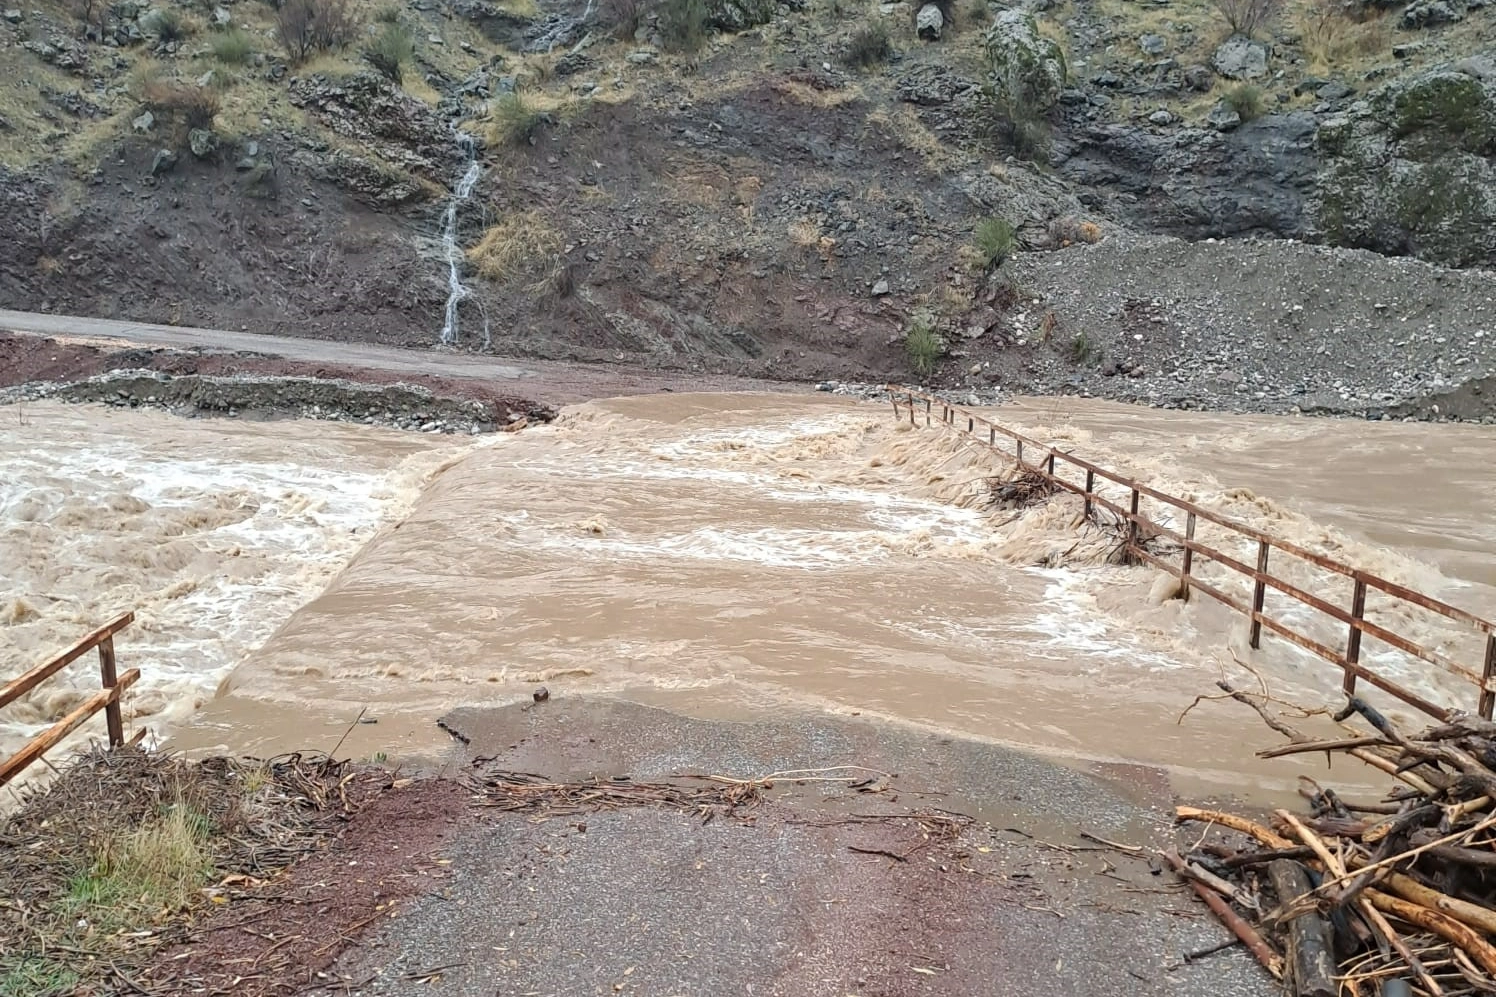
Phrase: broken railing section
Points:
(1073, 474)
(106, 699)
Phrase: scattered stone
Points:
(1198, 78)
(144, 123)
(1406, 50)
(435, 39)
(221, 17)
(1153, 44)
(202, 142)
(1334, 91)
(541, 695)
(880, 289)
(643, 56)
(1161, 117)
(1241, 58)
(929, 22)
(13, 16)
(163, 163)
(206, 80)
(1223, 117)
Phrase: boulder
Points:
(1198, 78)
(163, 163)
(929, 22)
(1412, 170)
(1027, 70)
(144, 123)
(1153, 44)
(12, 16)
(1223, 117)
(1241, 58)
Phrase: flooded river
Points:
(719, 555)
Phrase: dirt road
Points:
(85, 346)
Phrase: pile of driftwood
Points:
(1390, 897)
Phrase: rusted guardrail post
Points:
(1353, 638)
(1189, 557)
(1090, 486)
(1259, 593)
(992, 437)
(1050, 463)
(109, 680)
(1132, 525)
(1487, 697)
(927, 413)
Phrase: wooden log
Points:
(1254, 942)
(1460, 935)
(1452, 853)
(47, 739)
(1250, 828)
(1483, 918)
(1310, 966)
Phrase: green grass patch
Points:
(35, 976)
(232, 47)
(923, 344)
(682, 25)
(390, 51)
(995, 241)
(869, 46)
(513, 121)
(1246, 100)
(157, 868)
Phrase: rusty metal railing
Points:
(1051, 462)
(106, 699)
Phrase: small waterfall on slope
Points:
(456, 289)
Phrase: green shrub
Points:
(390, 50)
(513, 121)
(1246, 100)
(388, 15)
(868, 46)
(996, 240)
(167, 25)
(923, 344)
(232, 47)
(683, 24)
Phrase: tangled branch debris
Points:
(1350, 896)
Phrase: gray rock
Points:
(893, 9)
(1153, 44)
(1161, 117)
(435, 39)
(1241, 58)
(202, 142)
(880, 289)
(1406, 50)
(163, 163)
(1334, 91)
(1027, 70)
(1427, 13)
(929, 22)
(1223, 117)
(205, 80)
(1482, 67)
(144, 123)
(251, 148)
(221, 17)
(643, 56)
(12, 16)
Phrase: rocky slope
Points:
(794, 191)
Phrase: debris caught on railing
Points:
(1351, 896)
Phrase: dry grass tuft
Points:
(522, 244)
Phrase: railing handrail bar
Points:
(26, 681)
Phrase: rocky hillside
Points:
(811, 189)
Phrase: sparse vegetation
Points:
(154, 868)
(521, 244)
(389, 52)
(167, 25)
(308, 26)
(186, 104)
(683, 24)
(1340, 38)
(1068, 231)
(513, 121)
(37, 976)
(1081, 350)
(1246, 100)
(389, 14)
(1247, 17)
(868, 46)
(923, 344)
(995, 242)
(232, 47)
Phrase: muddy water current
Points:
(722, 556)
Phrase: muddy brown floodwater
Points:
(728, 556)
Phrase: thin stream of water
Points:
(457, 291)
